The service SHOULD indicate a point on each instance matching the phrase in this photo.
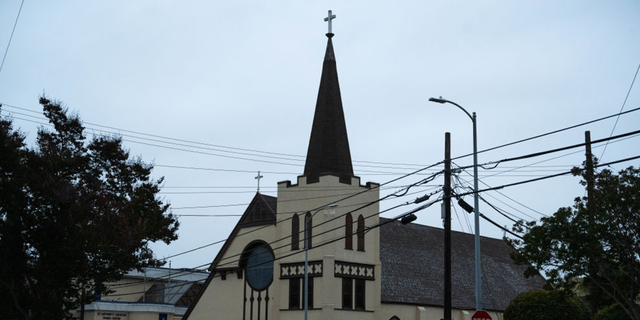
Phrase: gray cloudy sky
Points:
(245, 74)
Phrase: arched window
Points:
(308, 227)
(348, 230)
(258, 259)
(295, 232)
(360, 233)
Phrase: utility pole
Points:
(590, 213)
(447, 226)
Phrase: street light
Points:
(306, 255)
(475, 200)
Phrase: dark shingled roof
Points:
(328, 152)
(412, 258)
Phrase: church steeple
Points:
(328, 152)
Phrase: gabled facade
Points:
(357, 268)
(153, 294)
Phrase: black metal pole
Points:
(82, 302)
(590, 212)
(447, 226)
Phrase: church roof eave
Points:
(252, 216)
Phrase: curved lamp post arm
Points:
(440, 100)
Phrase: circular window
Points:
(260, 268)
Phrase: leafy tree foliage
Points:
(595, 244)
(612, 312)
(74, 214)
(546, 305)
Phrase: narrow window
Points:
(310, 292)
(295, 232)
(308, 228)
(360, 294)
(360, 232)
(294, 293)
(348, 230)
(347, 293)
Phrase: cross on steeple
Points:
(329, 18)
(258, 177)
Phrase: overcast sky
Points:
(244, 74)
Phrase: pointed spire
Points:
(328, 152)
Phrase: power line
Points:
(377, 213)
(548, 133)
(621, 108)
(180, 142)
(330, 241)
(11, 37)
(282, 220)
(537, 154)
(343, 215)
(132, 139)
(499, 226)
(258, 151)
(504, 195)
(531, 155)
(548, 177)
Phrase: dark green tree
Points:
(74, 214)
(612, 312)
(546, 305)
(592, 247)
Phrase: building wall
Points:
(225, 299)
(106, 310)
(413, 312)
(328, 243)
(129, 289)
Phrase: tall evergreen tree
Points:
(74, 214)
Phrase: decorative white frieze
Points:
(296, 270)
(354, 270)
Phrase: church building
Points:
(360, 266)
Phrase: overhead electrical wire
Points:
(549, 176)
(482, 215)
(207, 146)
(132, 140)
(547, 133)
(252, 190)
(469, 187)
(330, 241)
(527, 156)
(502, 212)
(540, 178)
(562, 130)
(314, 235)
(504, 195)
(537, 154)
(11, 37)
(348, 212)
(345, 198)
(482, 151)
(499, 226)
(621, 108)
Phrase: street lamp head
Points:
(438, 100)
(408, 219)
(333, 205)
